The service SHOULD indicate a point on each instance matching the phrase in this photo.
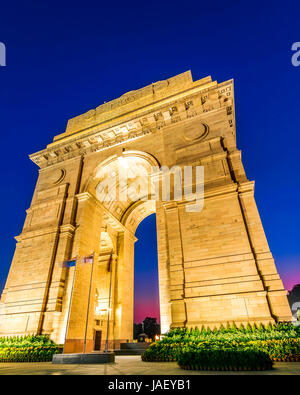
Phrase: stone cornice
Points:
(246, 188)
(31, 233)
(135, 103)
(67, 228)
(196, 101)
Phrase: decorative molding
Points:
(98, 138)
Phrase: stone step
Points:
(79, 358)
(134, 346)
(130, 352)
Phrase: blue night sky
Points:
(64, 58)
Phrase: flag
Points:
(87, 259)
(70, 263)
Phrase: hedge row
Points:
(285, 350)
(278, 350)
(26, 341)
(29, 354)
(247, 359)
(232, 333)
(29, 348)
(228, 348)
(158, 352)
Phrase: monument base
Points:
(132, 348)
(90, 358)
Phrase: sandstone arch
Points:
(215, 266)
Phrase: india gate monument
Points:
(72, 275)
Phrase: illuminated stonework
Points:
(215, 266)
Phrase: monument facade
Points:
(215, 265)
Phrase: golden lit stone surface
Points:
(215, 266)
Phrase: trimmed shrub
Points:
(232, 333)
(160, 353)
(284, 350)
(28, 349)
(281, 342)
(222, 359)
(29, 354)
(26, 341)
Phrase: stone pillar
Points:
(163, 269)
(177, 278)
(54, 317)
(104, 276)
(124, 292)
(113, 307)
(276, 294)
(86, 242)
(27, 296)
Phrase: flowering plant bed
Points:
(225, 359)
(284, 350)
(28, 349)
(279, 342)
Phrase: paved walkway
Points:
(128, 365)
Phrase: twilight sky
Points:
(66, 57)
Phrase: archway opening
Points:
(146, 286)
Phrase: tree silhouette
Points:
(151, 328)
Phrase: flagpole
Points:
(71, 299)
(109, 299)
(88, 308)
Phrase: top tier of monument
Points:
(134, 102)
